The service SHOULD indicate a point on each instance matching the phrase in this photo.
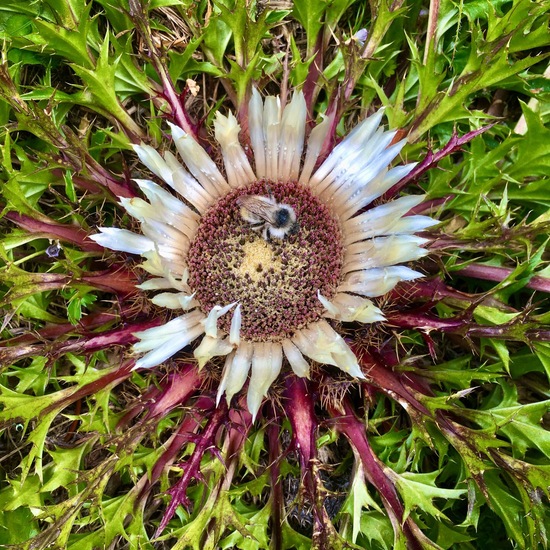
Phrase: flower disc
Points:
(276, 281)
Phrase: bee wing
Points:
(262, 207)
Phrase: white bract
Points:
(354, 174)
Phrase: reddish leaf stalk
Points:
(386, 359)
(159, 401)
(204, 442)
(354, 430)
(105, 178)
(431, 159)
(119, 280)
(303, 421)
(240, 423)
(118, 337)
(388, 380)
(498, 274)
(433, 289)
(277, 500)
(141, 19)
(314, 71)
(304, 424)
(517, 330)
(111, 377)
(43, 227)
(186, 433)
(52, 332)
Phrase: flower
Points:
(256, 291)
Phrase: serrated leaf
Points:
(542, 350)
(17, 526)
(520, 423)
(22, 493)
(100, 83)
(66, 465)
(33, 376)
(418, 491)
(309, 13)
(358, 499)
(376, 527)
(509, 508)
(71, 44)
(533, 149)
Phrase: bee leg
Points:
(260, 226)
(266, 234)
(294, 229)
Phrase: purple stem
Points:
(304, 424)
(44, 227)
(140, 18)
(517, 329)
(203, 442)
(110, 378)
(435, 290)
(159, 401)
(106, 179)
(180, 387)
(179, 115)
(119, 280)
(277, 500)
(314, 71)
(389, 381)
(354, 430)
(498, 274)
(302, 419)
(118, 337)
(51, 332)
(186, 433)
(431, 159)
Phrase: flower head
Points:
(259, 261)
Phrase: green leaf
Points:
(17, 526)
(63, 471)
(418, 491)
(33, 377)
(520, 423)
(376, 527)
(359, 498)
(309, 13)
(533, 149)
(216, 38)
(71, 44)
(100, 84)
(542, 351)
(16, 25)
(508, 507)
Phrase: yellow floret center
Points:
(258, 259)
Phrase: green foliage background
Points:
(80, 81)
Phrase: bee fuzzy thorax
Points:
(265, 214)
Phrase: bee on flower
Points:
(265, 214)
(262, 257)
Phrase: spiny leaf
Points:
(418, 491)
(100, 83)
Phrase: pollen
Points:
(276, 282)
(258, 259)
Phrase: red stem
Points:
(498, 274)
(118, 337)
(43, 227)
(354, 430)
(52, 332)
(277, 499)
(204, 442)
(110, 378)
